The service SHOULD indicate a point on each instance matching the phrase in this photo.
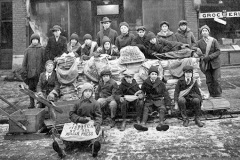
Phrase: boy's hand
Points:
(40, 94)
(140, 96)
(97, 127)
(121, 99)
(89, 118)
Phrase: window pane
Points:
(6, 10)
(107, 9)
(6, 35)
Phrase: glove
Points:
(121, 99)
(206, 59)
(40, 94)
(50, 97)
(82, 120)
(98, 128)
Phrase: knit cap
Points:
(182, 22)
(49, 62)
(187, 68)
(150, 36)
(86, 86)
(124, 24)
(164, 22)
(153, 69)
(35, 36)
(106, 39)
(74, 36)
(87, 36)
(204, 27)
(105, 72)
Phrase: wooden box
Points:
(35, 118)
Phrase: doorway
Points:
(6, 38)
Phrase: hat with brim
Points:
(106, 19)
(55, 28)
(141, 28)
(187, 68)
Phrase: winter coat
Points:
(75, 49)
(56, 48)
(142, 43)
(106, 90)
(185, 37)
(182, 85)
(33, 61)
(169, 36)
(126, 89)
(86, 108)
(124, 40)
(213, 53)
(155, 91)
(87, 51)
(163, 46)
(110, 33)
(46, 86)
(113, 51)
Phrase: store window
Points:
(6, 25)
(223, 18)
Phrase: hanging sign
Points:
(219, 15)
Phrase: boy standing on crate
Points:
(157, 99)
(187, 94)
(33, 64)
(129, 86)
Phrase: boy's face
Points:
(141, 33)
(164, 27)
(73, 42)
(153, 76)
(188, 74)
(107, 45)
(49, 68)
(56, 33)
(153, 40)
(183, 27)
(106, 25)
(205, 33)
(105, 78)
(124, 29)
(129, 79)
(35, 41)
(87, 93)
(88, 41)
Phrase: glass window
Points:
(6, 25)
(228, 33)
(6, 10)
(107, 9)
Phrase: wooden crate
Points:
(64, 117)
(35, 118)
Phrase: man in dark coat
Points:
(126, 38)
(210, 62)
(106, 31)
(184, 34)
(48, 85)
(141, 41)
(187, 94)
(157, 99)
(33, 64)
(57, 44)
(129, 86)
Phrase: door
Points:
(6, 38)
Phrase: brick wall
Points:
(19, 31)
(191, 17)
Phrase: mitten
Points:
(82, 120)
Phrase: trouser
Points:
(183, 103)
(104, 102)
(213, 78)
(32, 85)
(151, 106)
(138, 104)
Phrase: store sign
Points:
(219, 15)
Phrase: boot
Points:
(161, 126)
(198, 122)
(185, 122)
(112, 124)
(140, 127)
(96, 148)
(123, 125)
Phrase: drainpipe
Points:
(197, 4)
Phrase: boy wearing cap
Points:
(165, 33)
(74, 45)
(57, 44)
(87, 108)
(184, 34)
(48, 85)
(88, 47)
(105, 91)
(210, 63)
(126, 38)
(140, 40)
(129, 86)
(108, 48)
(187, 94)
(157, 99)
(106, 31)
(33, 64)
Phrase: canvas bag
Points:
(79, 132)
